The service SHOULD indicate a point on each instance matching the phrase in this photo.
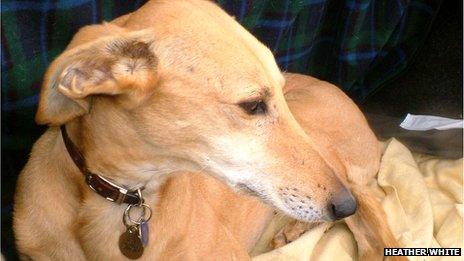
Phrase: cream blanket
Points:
(421, 195)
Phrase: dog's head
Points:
(196, 91)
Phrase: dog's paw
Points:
(290, 232)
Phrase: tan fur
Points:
(152, 99)
(370, 228)
(353, 149)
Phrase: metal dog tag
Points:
(130, 243)
(143, 233)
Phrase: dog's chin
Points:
(305, 218)
(254, 192)
(251, 191)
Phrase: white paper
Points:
(427, 122)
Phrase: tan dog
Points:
(179, 86)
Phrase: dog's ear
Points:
(123, 65)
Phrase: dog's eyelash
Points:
(254, 107)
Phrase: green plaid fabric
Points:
(356, 44)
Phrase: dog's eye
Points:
(254, 107)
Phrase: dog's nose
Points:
(342, 205)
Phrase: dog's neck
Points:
(130, 173)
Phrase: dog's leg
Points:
(369, 226)
(320, 108)
(47, 234)
(45, 204)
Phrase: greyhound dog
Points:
(159, 120)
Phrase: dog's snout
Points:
(342, 205)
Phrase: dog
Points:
(175, 110)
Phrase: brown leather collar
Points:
(99, 184)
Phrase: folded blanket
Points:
(421, 195)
